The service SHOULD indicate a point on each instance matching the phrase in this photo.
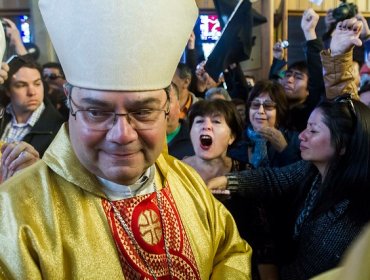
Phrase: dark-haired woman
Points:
(330, 187)
(268, 142)
(215, 125)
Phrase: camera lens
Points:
(284, 44)
(345, 11)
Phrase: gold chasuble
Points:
(57, 223)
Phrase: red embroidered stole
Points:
(143, 217)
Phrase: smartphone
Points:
(15, 62)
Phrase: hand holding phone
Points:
(14, 62)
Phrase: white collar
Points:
(142, 186)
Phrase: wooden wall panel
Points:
(205, 4)
(11, 4)
(363, 5)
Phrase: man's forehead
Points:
(26, 72)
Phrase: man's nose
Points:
(122, 131)
(291, 79)
(31, 90)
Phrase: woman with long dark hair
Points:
(330, 188)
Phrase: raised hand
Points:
(14, 36)
(346, 36)
(308, 24)
(278, 51)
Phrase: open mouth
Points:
(206, 140)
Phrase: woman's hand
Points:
(218, 185)
(275, 137)
(16, 156)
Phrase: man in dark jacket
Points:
(303, 80)
(28, 116)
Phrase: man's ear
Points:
(342, 151)
(187, 82)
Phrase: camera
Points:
(345, 11)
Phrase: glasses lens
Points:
(255, 105)
(145, 119)
(51, 76)
(269, 105)
(102, 121)
(98, 120)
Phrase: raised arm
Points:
(278, 61)
(14, 36)
(337, 61)
(312, 49)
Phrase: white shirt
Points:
(15, 131)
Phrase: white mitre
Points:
(126, 45)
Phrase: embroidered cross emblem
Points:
(150, 227)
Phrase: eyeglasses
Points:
(346, 98)
(268, 105)
(52, 76)
(143, 119)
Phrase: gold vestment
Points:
(53, 226)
